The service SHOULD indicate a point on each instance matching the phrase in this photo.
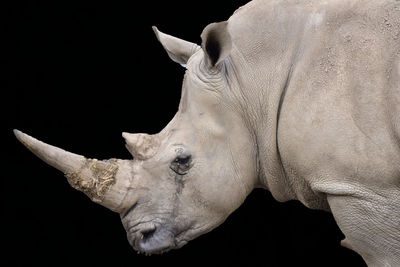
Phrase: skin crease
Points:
(307, 110)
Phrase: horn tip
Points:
(25, 139)
(20, 135)
(17, 132)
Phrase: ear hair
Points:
(216, 43)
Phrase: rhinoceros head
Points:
(185, 180)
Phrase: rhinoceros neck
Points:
(293, 114)
(265, 49)
(263, 102)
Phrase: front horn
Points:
(106, 182)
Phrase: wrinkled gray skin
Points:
(326, 72)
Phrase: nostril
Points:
(155, 240)
(145, 234)
(148, 233)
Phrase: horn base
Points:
(96, 184)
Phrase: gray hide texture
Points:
(301, 98)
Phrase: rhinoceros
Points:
(301, 98)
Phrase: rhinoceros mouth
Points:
(157, 237)
(156, 241)
(153, 239)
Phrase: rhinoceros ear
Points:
(178, 50)
(216, 43)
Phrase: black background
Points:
(77, 75)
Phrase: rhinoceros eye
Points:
(181, 164)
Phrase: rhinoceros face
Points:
(202, 168)
(185, 180)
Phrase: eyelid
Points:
(183, 157)
(182, 152)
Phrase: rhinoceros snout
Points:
(158, 240)
(152, 239)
